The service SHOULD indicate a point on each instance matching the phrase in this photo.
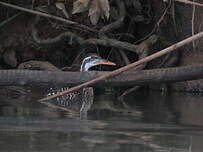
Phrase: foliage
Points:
(96, 9)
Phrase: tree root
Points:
(81, 41)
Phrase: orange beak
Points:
(106, 62)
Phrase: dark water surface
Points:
(150, 122)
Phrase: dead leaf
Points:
(80, 6)
(62, 7)
(105, 7)
(94, 12)
(98, 8)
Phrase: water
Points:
(146, 122)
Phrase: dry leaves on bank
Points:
(97, 9)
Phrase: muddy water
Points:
(150, 122)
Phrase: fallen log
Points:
(38, 78)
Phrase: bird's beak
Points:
(106, 62)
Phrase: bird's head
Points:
(94, 60)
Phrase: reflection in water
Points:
(189, 108)
(151, 122)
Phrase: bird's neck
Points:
(84, 67)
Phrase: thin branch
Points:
(157, 25)
(189, 2)
(124, 56)
(47, 15)
(128, 91)
(193, 26)
(9, 19)
(130, 66)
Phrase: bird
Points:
(82, 99)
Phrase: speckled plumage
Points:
(82, 99)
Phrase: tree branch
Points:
(130, 66)
(48, 16)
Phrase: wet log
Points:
(38, 78)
